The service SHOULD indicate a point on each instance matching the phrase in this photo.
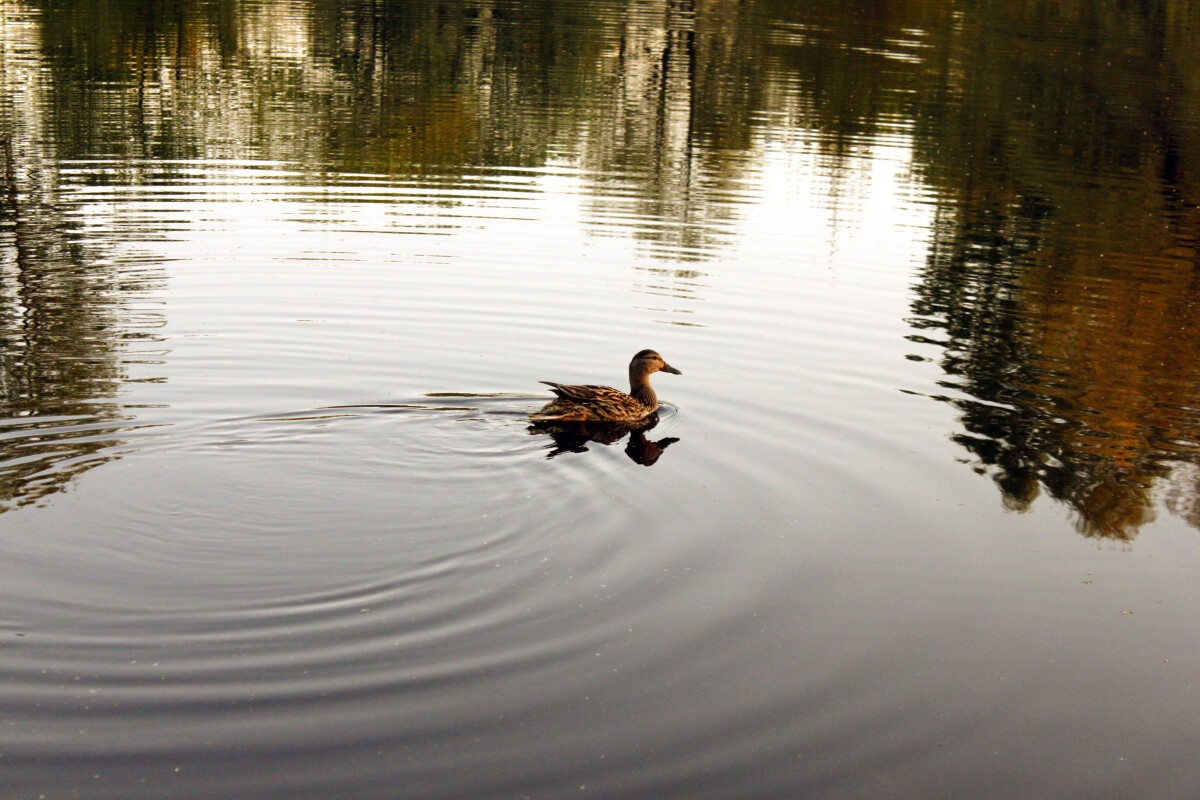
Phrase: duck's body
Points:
(592, 403)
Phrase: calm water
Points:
(278, 281)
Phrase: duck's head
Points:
(648, 361)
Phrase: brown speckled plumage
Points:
(588, 402)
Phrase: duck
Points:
(592, 403)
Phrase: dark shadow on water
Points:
(574, 437)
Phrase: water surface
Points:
(278, 282)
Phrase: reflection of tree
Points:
(472, 83)
(418, 90)
(664, 101)
(1064, 303)
(56, 339)
(60, 321)
(650, 104)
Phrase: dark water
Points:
(278, 281)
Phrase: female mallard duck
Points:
(590, 403)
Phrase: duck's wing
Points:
(583, 393)
(592, 402)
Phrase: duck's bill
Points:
(670, 369)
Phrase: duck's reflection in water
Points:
(574, 437)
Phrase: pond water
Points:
(278, 281)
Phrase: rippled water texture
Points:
(278, 281)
